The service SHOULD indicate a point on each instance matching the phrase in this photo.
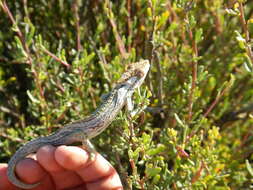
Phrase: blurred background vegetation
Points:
(194, 125)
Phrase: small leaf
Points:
(163, 18)
(179, 121)
(231, 81)
(241, 40)
(156, 179)
(232, 12)
(32, 98)
(199, 35)
(192, 21)
(247, 66)
(157, 150)
(249, 168)
(173, 26)
(134, 155)
(151, 170)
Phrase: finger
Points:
(100, 168)
(71, 157)
(110, 182)
(62, 178)
(5, 184)
(45, 156)
(29, 171)
(96, 172)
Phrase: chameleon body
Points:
(83, 130)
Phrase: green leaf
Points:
(232, 12)
(179, 121)
(154, 151)
(156, 179)
(247, 66)
(32, 98)
(173, 26)
(192, 21)
(134, 155)
(199, 35)
(151, 170)
(249, 168)
(241, 41)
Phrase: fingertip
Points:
(46, 158)
(110, 182)
(98, 169)
(29, 171)
(71, 157)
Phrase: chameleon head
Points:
(137, 70)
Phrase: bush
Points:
(58, 57)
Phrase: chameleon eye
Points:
(139, 73)
(129, 67)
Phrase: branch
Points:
(77, 19)
(55, 57)
(194, 65)
(246, 31)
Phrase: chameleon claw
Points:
(92, 156)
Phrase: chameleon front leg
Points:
(130, 107)
(86, 144)
(132, 111)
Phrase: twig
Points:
(11, 138)
(150, 45)
(210, 108)
(102, 58)
(160, 77)
(194, 64)
(100, 55)
(11, 112)
(3, 59)
(122, 172)
(26, 9)
(171, 10)
(216, 101)
(55, 57)
(197, 175)
(77, 19)
(129, 22)
(246, 31)
(243, 21)
(119, 41)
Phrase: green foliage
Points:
(193, 128)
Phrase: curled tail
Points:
(21, 153)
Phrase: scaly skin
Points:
(83, 130)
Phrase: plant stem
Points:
(246, 31)
(194, 65)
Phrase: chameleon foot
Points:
(90, 149)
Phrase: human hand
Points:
(64, 167)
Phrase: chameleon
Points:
(89, 127)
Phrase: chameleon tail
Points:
(20, 154)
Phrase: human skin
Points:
(64, 167)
